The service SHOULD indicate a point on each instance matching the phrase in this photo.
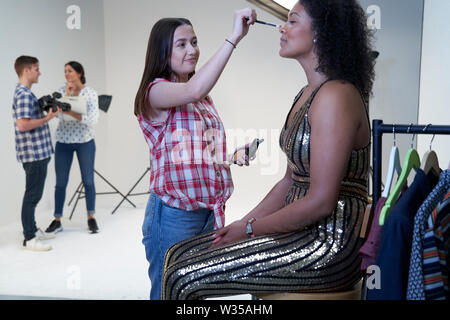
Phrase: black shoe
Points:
(92, 225)
(54, 227)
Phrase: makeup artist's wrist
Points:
(234, 39)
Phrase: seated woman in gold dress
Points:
(303, 236)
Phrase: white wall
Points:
(434, 81)
(398, 39)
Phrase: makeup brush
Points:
(266, 23)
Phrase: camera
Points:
(47, 102)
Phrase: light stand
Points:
(131, 190)
(104, 102)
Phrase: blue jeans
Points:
(63, 161)
(35, 174)
(163, 227)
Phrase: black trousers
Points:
(35, 173)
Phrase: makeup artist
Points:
(303, 236)
(190, 180)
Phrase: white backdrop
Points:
(434, 80)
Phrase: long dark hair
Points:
(79, 69)
(343, 42)
(157, 60)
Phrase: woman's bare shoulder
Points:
(337, 96)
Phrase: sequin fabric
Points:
(322, 257)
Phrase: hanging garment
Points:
(396, 237)
(416, 289)
(442, 234)
(369, 250)
(435, 251)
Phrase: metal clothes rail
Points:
(378, 129)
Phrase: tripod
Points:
(81, 194)
(131, 190)
(104, 101)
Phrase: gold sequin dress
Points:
(322, 257)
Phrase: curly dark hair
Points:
(343, 44)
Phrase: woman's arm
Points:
(74, 115)
(67, 91)
(165, 94)
(335, 117)
(272, 202)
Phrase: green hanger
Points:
(411, 161)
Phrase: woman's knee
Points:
(89, 184)
(62, 176)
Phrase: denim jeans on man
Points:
(163, 227)
(35, 174)
(63, 161)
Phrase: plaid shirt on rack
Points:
(187, 156)
(35, 144)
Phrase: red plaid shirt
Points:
(187, 156)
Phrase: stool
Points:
(353, 294)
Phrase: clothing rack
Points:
(378, 129)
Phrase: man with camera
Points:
(33, 148)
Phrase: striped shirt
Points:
(187, 156)
(35, 144)
(435, 251)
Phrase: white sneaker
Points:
(41, 235)
(36, 245)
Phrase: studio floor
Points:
(109, 265)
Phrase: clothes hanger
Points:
(430, 160)
(394, 166)
(412, 161)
